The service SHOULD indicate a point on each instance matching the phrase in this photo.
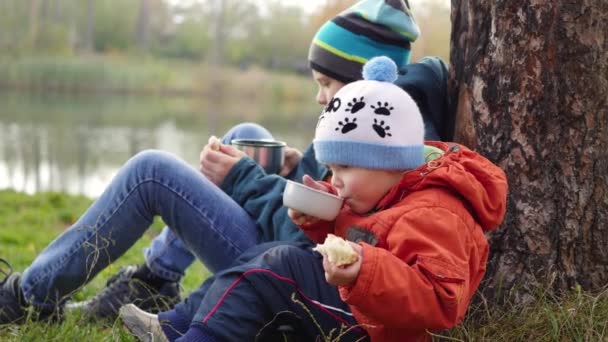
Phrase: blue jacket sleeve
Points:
(261, 195)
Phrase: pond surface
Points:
(75, 144)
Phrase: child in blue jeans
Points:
(229, 206)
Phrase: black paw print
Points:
(333, 105)
(382, 109)
(382, 130)
(320, 118)
(347, 125)
(356, 105)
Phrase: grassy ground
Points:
(28, 223)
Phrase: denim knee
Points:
(150, 159)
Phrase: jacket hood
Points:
(481, 184)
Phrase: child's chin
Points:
(357, 209)
(353, 207)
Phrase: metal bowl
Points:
(270, 154)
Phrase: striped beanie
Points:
(372, 123)
(368, 29)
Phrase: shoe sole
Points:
(135, 324)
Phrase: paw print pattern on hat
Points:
(381, 129)
(347, 125)
(382, 109)
(319, 121)
(355, 105)
(333, 105)
(377, 126)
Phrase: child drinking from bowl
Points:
(415, 215)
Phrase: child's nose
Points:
(321, 99)
(336, 183)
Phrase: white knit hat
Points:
(372, 123)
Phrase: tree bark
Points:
(142, 26)
(529, 84)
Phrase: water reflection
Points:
(76, 145)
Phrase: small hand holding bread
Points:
(337, 250)
(214, 143)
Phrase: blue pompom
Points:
(380, 69)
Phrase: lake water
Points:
(75, 144)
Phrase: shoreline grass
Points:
(29, 222)
(130, 75)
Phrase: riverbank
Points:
(133, 75)
(29, 223)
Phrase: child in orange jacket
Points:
(415, 214)
(419, 233)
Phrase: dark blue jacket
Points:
(261, 195)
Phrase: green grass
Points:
(573, 316)
(29, 223)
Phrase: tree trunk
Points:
(34, 13)
(142, 26)
(219, 36)
(89, 35)
(529, 84)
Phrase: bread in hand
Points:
(214, 143)
(338, 251)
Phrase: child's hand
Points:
(300, 218)
(216, 160)
(311, 183)
(345, 275)
(292, 158)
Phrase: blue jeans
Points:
(167, 256)
(203, 219)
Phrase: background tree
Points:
(142, 34)
(434, 22)
(529, 82)
(89, 31)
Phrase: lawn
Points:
(29, 223)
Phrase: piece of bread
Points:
(214, 143)
(338, 251)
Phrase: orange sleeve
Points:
(422, 279)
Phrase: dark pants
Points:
(272, 289)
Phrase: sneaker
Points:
(13, 307)
(12, 304)
(127, 287)
(145, 326)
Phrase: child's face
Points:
(328, 87)
(362, 188)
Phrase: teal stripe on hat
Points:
(353, 47)
(381, 13)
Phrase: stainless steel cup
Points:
(270, 154)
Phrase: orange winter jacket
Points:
(424, 249)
